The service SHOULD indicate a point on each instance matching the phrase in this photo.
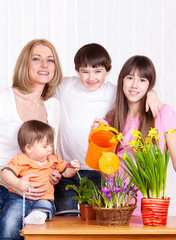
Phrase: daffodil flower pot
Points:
(154, 211)
(87, 212)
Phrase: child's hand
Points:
(76, 164)
(55, 176)
(97, 122)
(23, 185)
(153, 102)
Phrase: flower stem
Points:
(79, 176)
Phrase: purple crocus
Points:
(124, 190)
(110, 181)
(129, 189)
(134, 192)
(116, 189)
(106, 190)
(109, 196)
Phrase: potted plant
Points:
(85, 194)
(113, 201)
(146, 166)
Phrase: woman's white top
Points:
(10, 123)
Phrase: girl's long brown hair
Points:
(117, 117)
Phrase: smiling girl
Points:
(136, 78)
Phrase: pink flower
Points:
(69, 165)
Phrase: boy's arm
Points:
(71, 171)
(153, 102)
(11, 180)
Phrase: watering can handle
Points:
(103, 127)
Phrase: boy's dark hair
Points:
(93, 55)
(32, 131)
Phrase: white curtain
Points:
(123, 27)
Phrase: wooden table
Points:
(73, 228)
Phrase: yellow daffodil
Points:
(119, 137)
(171, 131)
(157, 138)
(133, 143)
(144, 149)
(136, 134)
(148, 161)
(147, 140)
(114, 140)
(152, 133)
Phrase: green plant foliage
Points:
(147, 165)
(85, 191)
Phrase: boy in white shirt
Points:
(82, 99)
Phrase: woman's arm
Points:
(34, 194)
(11, 180)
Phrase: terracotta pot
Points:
(87, 212)
(154, 211)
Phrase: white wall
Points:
(123, 27)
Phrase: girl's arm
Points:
(97, 122)
(171, 143)
(13, 181)
(153, 102)
(70, 172)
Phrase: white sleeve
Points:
(66, 83)
(53, 112)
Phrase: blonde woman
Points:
(36, 76)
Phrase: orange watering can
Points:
(100, 153)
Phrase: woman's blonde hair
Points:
(21, 80)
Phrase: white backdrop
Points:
(123, 27)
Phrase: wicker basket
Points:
(115, 216)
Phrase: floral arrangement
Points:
(146, 166)
(115, 192)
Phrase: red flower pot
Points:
(154, 211)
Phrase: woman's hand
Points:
(33, 193)
(55, 176)
(23, 185)
(97, 122)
